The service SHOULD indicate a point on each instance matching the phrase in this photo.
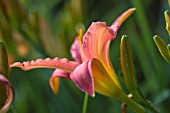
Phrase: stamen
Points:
(80, 36)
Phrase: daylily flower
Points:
(9, 94)
(92, 69)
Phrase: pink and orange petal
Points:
(55, 79)
(83, 78)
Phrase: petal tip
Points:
(16, 64)
(54, 83)
(126, 14)
(90, 92)
(20, 65)
(93, 95)
(132, 9)
(119, 21)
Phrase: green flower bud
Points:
(163, 48)
(128, 68)
(167, 19)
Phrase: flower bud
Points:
(163, 48)
(167, 19)
(128, 68)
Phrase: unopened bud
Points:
(128, 68)
(163, 48)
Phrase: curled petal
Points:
(83, 78)
(96, 44)
(10, 95)
(97, 40)
(63, 64)
(115, 26)
(75, 51)
(60, 73)
(55, 80)
(96, 36)
(103, 82)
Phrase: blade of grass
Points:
(143, 23)
(147, 69)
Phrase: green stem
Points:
(135, 106)
(152, 108)
(85, 103)
(139, 97)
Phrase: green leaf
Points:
(4, 67)
(4, 71)
(162, 46)
(167, 19)
(127, 65)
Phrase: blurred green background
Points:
(34, 29)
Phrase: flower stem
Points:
(135, 106)
(139, 97)
(85, 103)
